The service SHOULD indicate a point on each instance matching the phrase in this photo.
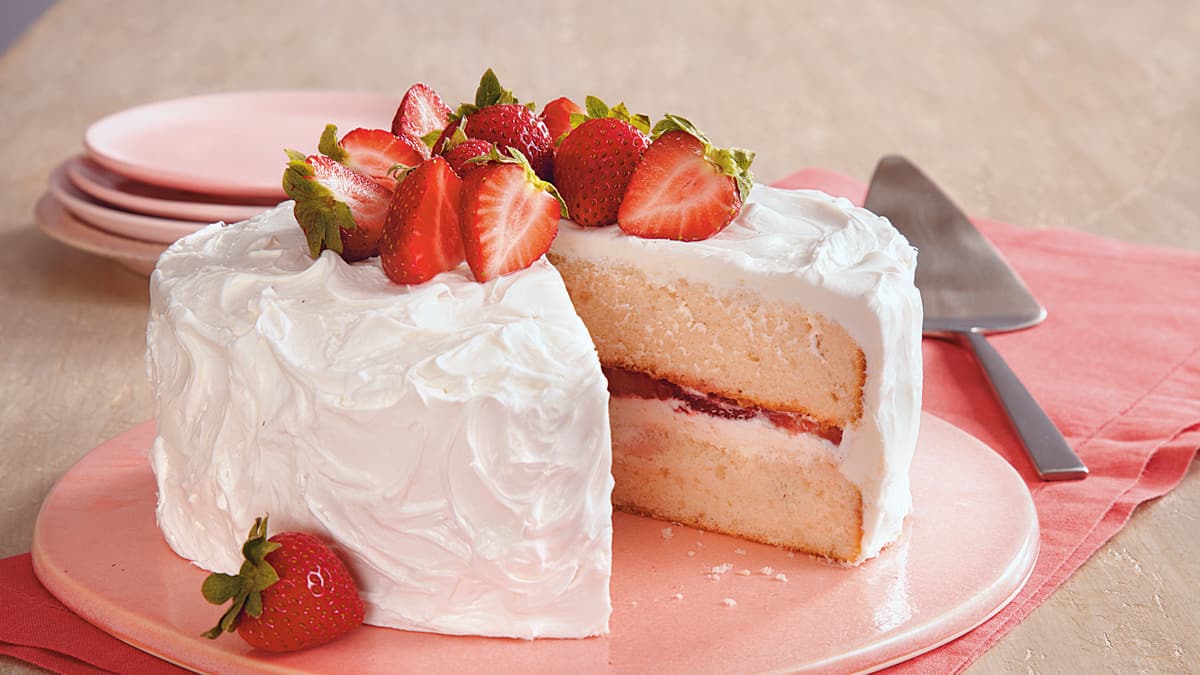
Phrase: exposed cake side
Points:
(819, 253)
(451, 438)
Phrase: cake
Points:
(450, 438)
(421, 363)
(765, 382)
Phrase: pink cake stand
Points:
(968, 548)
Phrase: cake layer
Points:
(742, 477)
(804, 303)
(451, 438)
(727, 344)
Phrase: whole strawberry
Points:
(593, 165)
(496, 116)
(684, 188)
(338, 208)
(291, 593)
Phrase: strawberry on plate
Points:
(337, 208)
(421, 237)
(291, 593)
(683, 187)
(375, 153)
(593, 164)
(422, 114)
(497, 116)
(557, 117)
(507, 215)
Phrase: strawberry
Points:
(496, 116)
(291, 593)
(508, 216)
(421, 237)
(421, 113)
(557, 117)
(338, 209)
(684, 188)
(471, 148)
(593, 165)
(375, 153)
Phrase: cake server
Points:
(968, 291)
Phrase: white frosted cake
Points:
(766, 382)
(450, 438)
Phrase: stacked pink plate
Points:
(152, 174)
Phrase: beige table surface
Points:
(1040, 113)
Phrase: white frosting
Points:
(832, 258)
(451, 438)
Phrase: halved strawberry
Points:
(557, 117)
(508, 216)
(421, 237)
(684, 188)
(421, 113)
(593, 164)
(498, 117)
(338, 209)
(375, 153)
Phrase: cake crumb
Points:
(678, 596)
(767, 571)
(633, 603)
(699, 544)
(743, 573)
(729, 602)
(791, 554)
(781, 577)
(691, 553)
(739, 551)
(667, 533)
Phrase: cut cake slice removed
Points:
(765, 382)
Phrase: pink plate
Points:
(228, 144)
(115, 221)
(57, 222)
(968, 549)
(131, 195)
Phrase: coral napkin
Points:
(1116, 365)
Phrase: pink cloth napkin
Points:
(1116, 365)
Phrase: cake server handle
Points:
(1051, 455)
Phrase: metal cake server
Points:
(968, 291)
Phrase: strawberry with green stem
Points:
(497, 116)
(338, 209)
(292, 592)
(508, 216)
(595, 161)
(375, 153)
(684, 187)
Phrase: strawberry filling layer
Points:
(632, 384)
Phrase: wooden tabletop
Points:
(1043, 114)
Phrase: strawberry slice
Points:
(375, 153)
(338, 209)
(421, 113)
(557, 117)
(421, 237)
(684, 188)
(508, 216)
